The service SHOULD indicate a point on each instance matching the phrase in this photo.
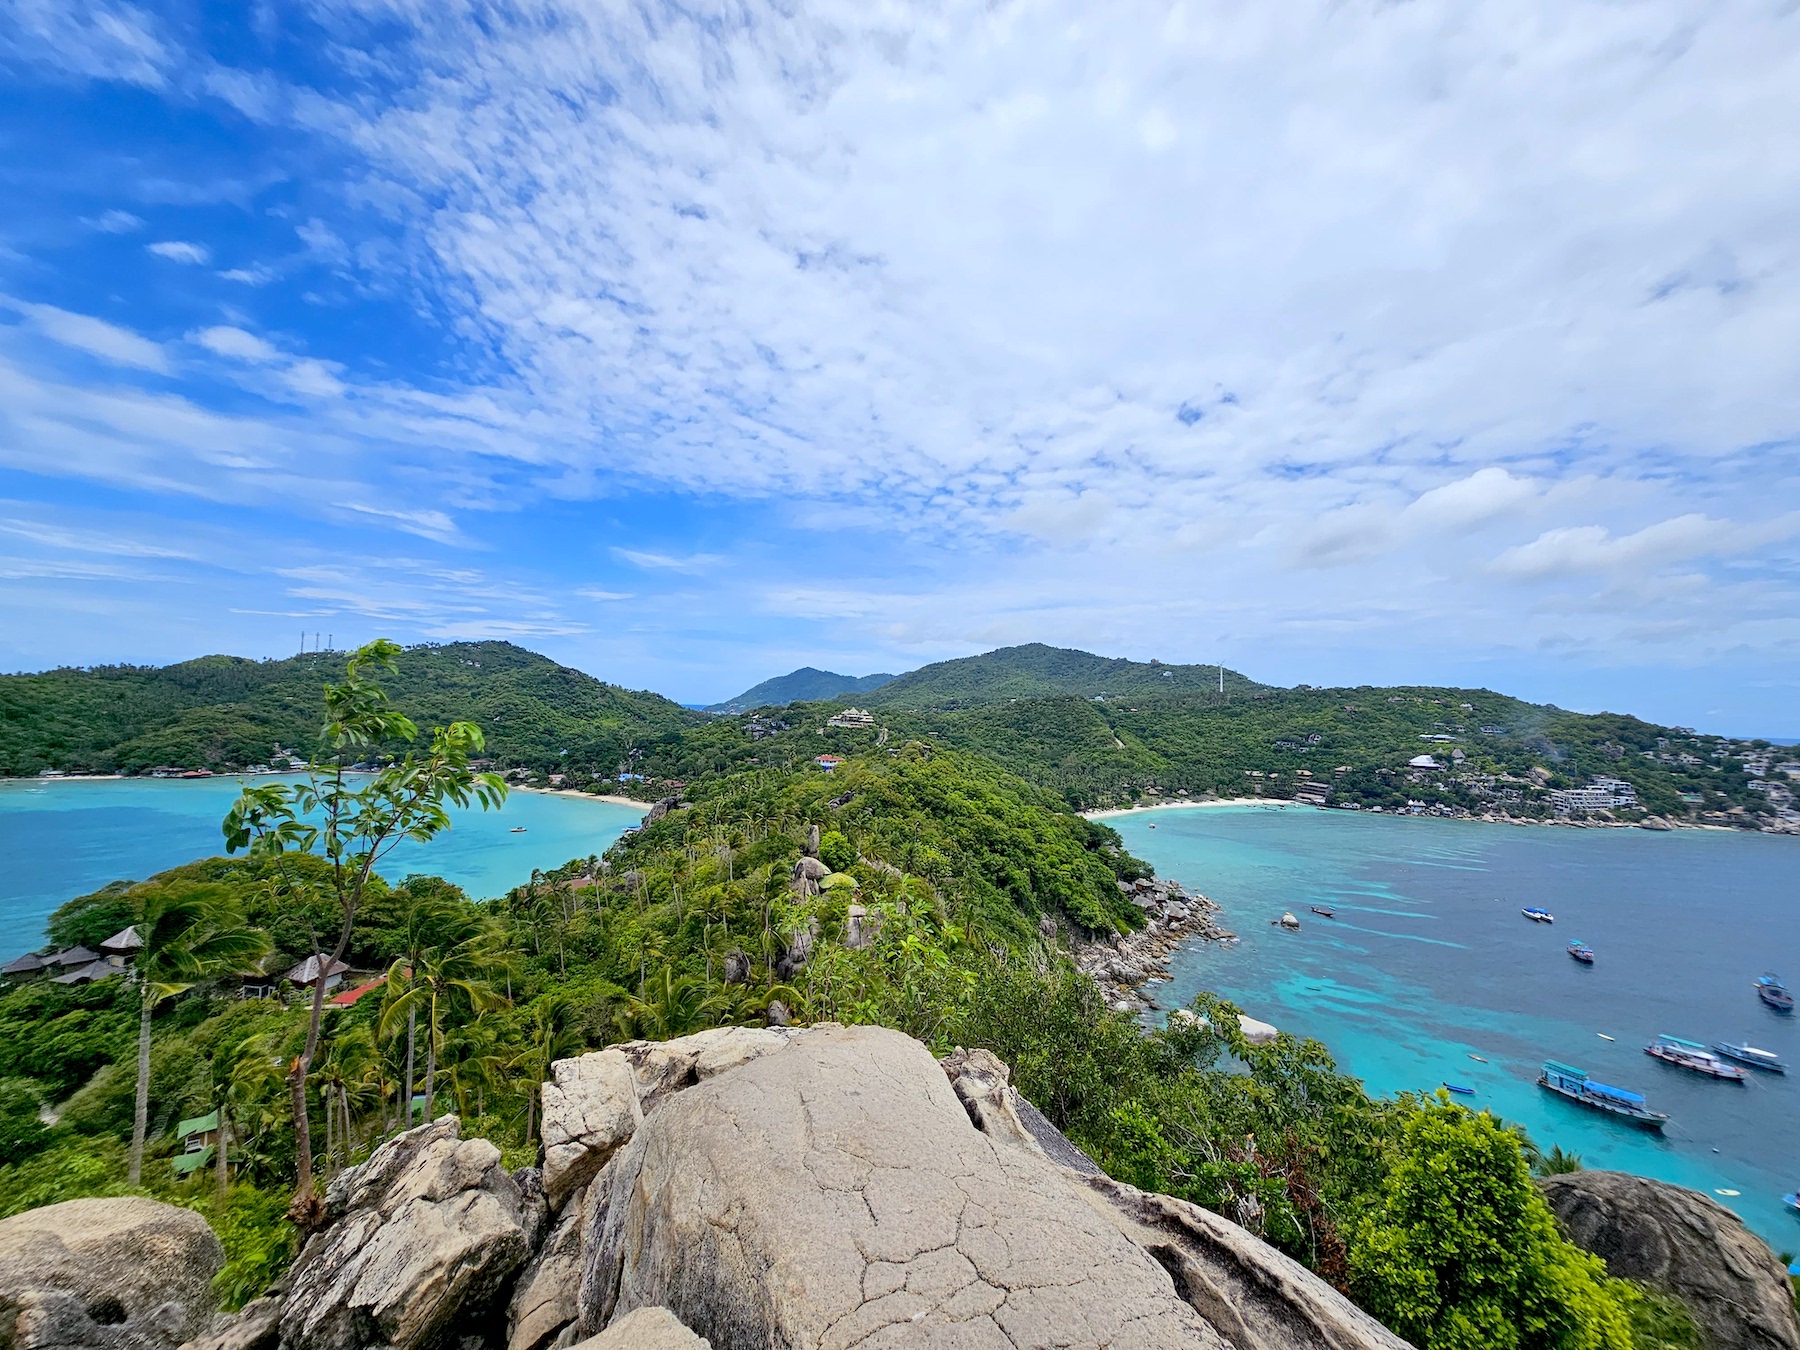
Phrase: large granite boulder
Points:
(124, 1274)
(1684, 1244)
(835, 1194)
(646, 1329)
(421, 1242)
(594, 1103)
(543, 1301)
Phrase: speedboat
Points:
(1773, 992)
(1749, 1054)
(517, 829)
(1582, 952)
(1537, 915)
(1693, 1055)
(1460, 1090)
(1567, 1081)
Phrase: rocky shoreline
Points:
(1124, 964)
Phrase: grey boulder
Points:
(646, 1329)
(425, 1234)
(835, 1194)
(123, 1274)
(1685, 1244)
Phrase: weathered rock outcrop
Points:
(123, 1274)
(836, 1195)
(1682, 1243)
(1124, 963)
(430, 1230)
(646, 1329)
(593, 1104)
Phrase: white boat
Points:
(1749, 1054)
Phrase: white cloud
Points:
(180, 250)
(665, 562)
(1572, 550)
(116, 222)
(1471, 501)
(592, 593)
(236, 344)
(249, 276)
(94, 40)
(94, 336)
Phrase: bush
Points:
(1462, 1253)
(837, 852)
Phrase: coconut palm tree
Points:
(442, 977)
(548, 1038)
(191, 932)
(432, 920)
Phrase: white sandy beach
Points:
(585, 796)
(1177, 806)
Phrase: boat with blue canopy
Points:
(1568, 1081)
(1582, 952)
(1773, 992)
(1537, 915)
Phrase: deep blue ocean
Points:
(1429, 962)
(61, 839)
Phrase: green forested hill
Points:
(1037, 671)
(226, 711)
(805, 685)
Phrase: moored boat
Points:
(1582, 952)
(1567, 1081)
(1773, 992)
(1792, 1201)
(1537, 915)
(1460, 1090)
(1322, 912)
(1693, 1055)
(1749, 1054)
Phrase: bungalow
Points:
(1423, 762)
(25, 967)
(306, 974)
(100, 968)
(349, 998)
(828, 762)
(124, 944)
(199, 1140)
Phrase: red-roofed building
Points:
(350, 997)
(829, 762)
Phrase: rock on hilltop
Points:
(821, 1188)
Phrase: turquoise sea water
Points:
(1429, 962)
(61, 839)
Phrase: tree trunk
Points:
(431, 1061)
(224, 1175)
(330, 1129)
(140, 1120)
(305, 1209)
(412, 1025)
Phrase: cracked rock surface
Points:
(836, 1195)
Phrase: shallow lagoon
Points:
(64, 838)
(1429, 962)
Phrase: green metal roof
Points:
(183, 1163)
(198, 1125)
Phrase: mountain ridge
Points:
(808, 684)
(1037, 670)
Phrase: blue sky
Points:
(688, 344)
